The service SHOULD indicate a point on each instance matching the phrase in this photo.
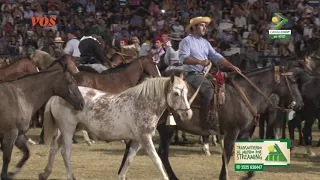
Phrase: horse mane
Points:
(28, 75)
(149, 88)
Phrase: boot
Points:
(207, 117)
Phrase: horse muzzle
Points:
(185, 114)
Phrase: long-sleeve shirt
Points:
(72, 47)
(199, 48)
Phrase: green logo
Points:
(254, 155)
(276, 19)
(275, 154)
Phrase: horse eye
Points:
(176, 94)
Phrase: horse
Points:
(24, 97)
(235, 123)
(17, 69)
(126, 55)
(309, 85)
(117, 80)
(130, 115)
(114, 80)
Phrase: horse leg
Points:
(41, 141)
(86, 138)
(246, 136)
(184, 136)
(205, 147)
(307, 136)
(131, 150)
(214, 140)
(176, 137)
(165, 135)
(299, 126)
(55, 146)
(261, 127)
(21, 143)
(291, 126)
(147, 144)
(67, 135)
(9, 139)
(227, 143)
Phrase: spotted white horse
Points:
(130, 115)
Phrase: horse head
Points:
(65, 86)
(176, 97)
(286, 87)
(149, 66)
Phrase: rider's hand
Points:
(204, 62)
(234, 68)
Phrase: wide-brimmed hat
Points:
(197, 20)
(58, 40)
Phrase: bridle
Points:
(256, 116)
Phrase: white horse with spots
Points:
(130, 115)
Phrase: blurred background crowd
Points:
(237, 26)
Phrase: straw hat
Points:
(58, 40)
(197, 20)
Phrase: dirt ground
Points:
(102, 160)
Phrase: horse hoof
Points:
(42, 176)
(206, 152)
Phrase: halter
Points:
(256, 116)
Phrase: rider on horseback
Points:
(91, 50)
(194, 52)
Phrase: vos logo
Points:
(44, 21)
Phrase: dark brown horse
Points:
(24, 97)
(17, 69)
(236, 120)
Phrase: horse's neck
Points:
(37, 88)
(264, 81)
(133, 71)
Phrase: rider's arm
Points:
(218, 58)
(184, 53)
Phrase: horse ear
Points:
(172, 79)
(182, 75)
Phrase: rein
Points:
(247, 102)
(197, 91)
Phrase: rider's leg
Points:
(206, 91)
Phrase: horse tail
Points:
(49, 126)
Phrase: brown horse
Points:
(126, 55)
(120, 79)
(21, 98)
(18, 69)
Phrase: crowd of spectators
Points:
(242, 24)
